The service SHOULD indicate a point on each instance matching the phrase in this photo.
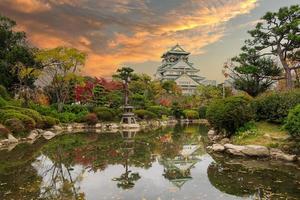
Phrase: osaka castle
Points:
(176, 66)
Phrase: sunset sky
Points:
(135, 33)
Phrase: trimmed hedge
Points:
(191, 114)
(3, 93)
(159, 110)
(292, 124)
(3, 102)
(26, 111)
(227, 115)
(49, 122)
(274, 107)
(28, 122)
(145, 114)
(104, 114)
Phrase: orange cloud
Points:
(28, 6)
(116, 36)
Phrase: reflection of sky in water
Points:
(152, 185)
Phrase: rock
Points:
(98, 125)
(217, 148)
(279, 155)
(69, 127)
(211, 134)
(78, 126)
(256, 150)
(225, 141)
(57, 128)
(11, 139)
(48, 135)
(33, 134)
(234, 149)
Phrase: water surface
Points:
(164, 164)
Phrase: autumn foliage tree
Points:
(60, 67)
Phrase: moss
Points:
(263, 133)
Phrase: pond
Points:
(169, 163)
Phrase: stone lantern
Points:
(128, 118)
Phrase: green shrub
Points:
(274, 107)
(159, 110)
(145, 114)
(91, 119)
(74, 108)
(3, 93)
(49, 122)
(26, 111)
(28, 122)
(104, 114)
(202, 112)
(3, 102)
(292, 124)
(191, 114)
(15, 125)
(66, 117)
(227, 115)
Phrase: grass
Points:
(262, 133)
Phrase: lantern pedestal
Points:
(128, 120)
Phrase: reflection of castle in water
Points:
(178, 169)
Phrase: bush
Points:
(227, 115)
(15, 125)
(28, 122)
(191, 114)
(3, 102)
(75, 108)
(159, 110)
(91, 119)
(274, 107)
(3, 93)
(145, 114)
(66, 117)
(49, 122)
(26, 111)
(202, 112)
(292, 124)
(104, 114)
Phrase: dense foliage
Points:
(292, 124)
(145, 114)
(252, 73)
(227, 115)
(278, 34)
(17, 62)
(274, 107)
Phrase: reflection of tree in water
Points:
(128, 178)
(257, 179)
(18, 179)
(59, 180)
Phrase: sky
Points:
(135, 33)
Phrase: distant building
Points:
(176, 66)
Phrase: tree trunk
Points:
(288, 71)
(289, 79)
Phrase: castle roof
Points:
(177, 49)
